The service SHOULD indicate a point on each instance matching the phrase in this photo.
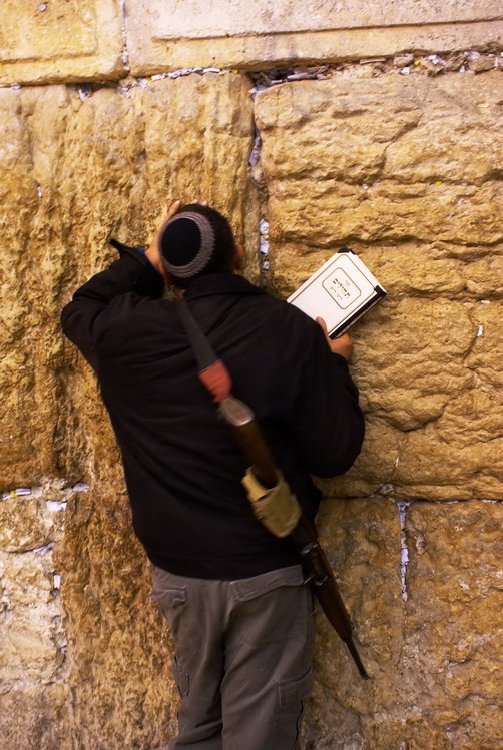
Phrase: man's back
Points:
(182, 465)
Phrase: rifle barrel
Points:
(325, 586)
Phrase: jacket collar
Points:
(221, 283)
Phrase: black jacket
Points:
(181, 463)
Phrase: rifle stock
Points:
(304, 537)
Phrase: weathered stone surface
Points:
(407, 173)
(33, 656)
(115, 635)
(437, 653)
(468, 435)
(171, 35)
(36, 717)
(264, 17)
(452, 654)
(403, 389)
(31, 629)
(24, 524)
(377, 179)
(18, 200)
(362, 538)
(74, 173)
(457, 456)
(457, 272)
(60, 41)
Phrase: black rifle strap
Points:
(212, 372)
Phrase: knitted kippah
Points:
(186, 244)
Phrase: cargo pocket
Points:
(271, 608)
(291, 694)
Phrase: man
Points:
(233, 594)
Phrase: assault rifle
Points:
(304, 537)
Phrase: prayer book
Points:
(341, 291)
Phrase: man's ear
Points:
(239, 257)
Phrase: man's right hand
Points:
(342, 344)
(152, 252)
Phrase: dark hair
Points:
(222, 257)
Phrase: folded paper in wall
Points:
(341, 291)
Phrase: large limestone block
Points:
(34, 695)
(116, 637)
(32, 633)
(434, 655)
(35, 718)
(380, 158)
(175, 19)
(452, 654)
(74, 173)
(420, 389)
(25, 524)
(362, 540)
(434, 422)
(388, 211)
(466, 440)
(406, 173)
(60, 41)
(25, 441)
(171, 34)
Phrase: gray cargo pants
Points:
(242, 661)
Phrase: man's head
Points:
(195, 241)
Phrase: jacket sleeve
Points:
(328, 423)
(83, 317)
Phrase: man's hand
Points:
(153, 250)
(341, 345)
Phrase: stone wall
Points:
(324, 128)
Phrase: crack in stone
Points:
(264, 245)
(269, 77)
(255, 174)
(404, 550)
(50, 485)
(122, 16)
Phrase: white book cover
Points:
(341, 291)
